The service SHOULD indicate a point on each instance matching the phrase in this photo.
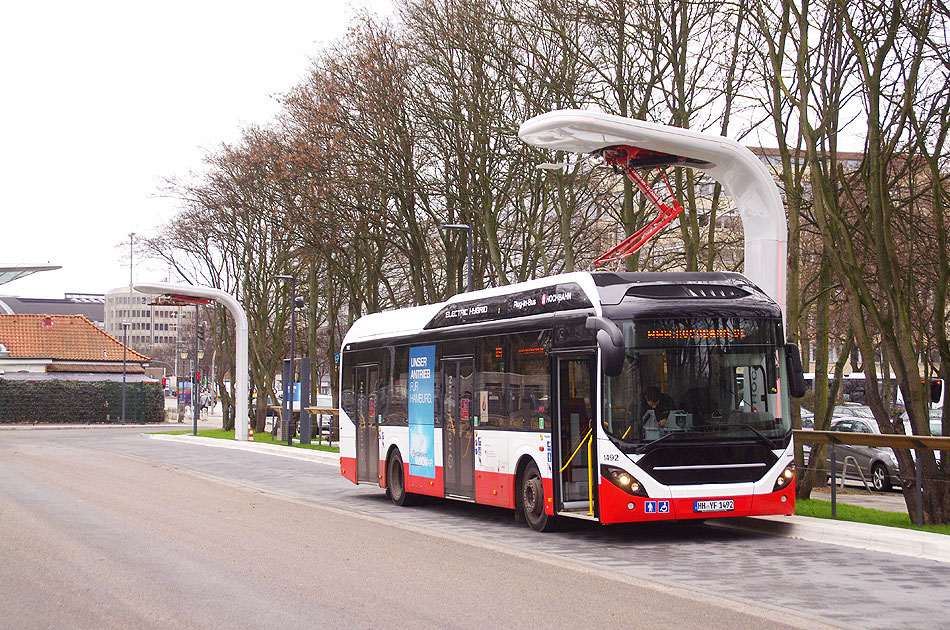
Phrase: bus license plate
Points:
(726, 505)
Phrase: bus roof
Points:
(416, 319)
(577, 291)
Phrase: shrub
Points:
(64, 402)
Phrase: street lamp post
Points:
(194, 397)
(178, 373)
(125, 346)
(289, 387)
(468, 229)
(198, 370)
(181, 403)
(194, 381)
(131, 236)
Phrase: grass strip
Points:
(817, 508)
(259, 438)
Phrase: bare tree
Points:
(867, 218)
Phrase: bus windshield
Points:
(706, 379)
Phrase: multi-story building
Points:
(151, 326)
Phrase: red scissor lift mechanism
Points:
(628, 160)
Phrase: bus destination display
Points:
(664, 332)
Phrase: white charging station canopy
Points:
(741, 173)
(240, 338)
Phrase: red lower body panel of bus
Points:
(617, 506)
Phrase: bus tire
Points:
(396, 482)
(531, 500)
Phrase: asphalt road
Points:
(108, 528)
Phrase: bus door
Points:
(367, 423)
(575, 437)
(458, 436)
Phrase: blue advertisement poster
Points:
(422, 411)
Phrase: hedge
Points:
(64, 402)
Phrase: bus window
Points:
(491, 381)
(397, 412)
(750, 393)
(713, 377)
(529, 380)
(348, 398)
(936, 391)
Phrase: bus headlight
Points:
(623, 480)
(787, 477)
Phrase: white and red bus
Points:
(534, 397)
(614, 397)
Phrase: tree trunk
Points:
(816, 472)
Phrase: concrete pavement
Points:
(111, 529)
(905, 542)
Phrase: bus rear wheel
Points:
(532, 500)
(396, 483)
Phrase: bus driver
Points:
(657, 412)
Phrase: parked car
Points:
(808, 416)
(808, 420)
(878, 464)
(936, 426)
(852, 411)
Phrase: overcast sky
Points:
(103, 100)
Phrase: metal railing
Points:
(912, 442)
(844, 473)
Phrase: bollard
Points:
(918, 491)
(834, 484)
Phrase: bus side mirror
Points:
(610, 341)
(796, 376)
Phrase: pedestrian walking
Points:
(205, 402)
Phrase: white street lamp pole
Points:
(125, 346)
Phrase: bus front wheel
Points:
(532, 500)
